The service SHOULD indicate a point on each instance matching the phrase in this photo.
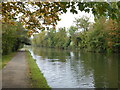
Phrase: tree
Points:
(47, 13)
(13, 37)
(72, 30)
(82, 23)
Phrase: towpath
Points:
(15, 73)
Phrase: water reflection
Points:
(77, 69)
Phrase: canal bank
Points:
(37, 79)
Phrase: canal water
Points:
(77, 69)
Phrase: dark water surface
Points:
(77, 69)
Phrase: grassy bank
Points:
(37, 79)
(7, 58)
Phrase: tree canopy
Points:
(37, 15)
(82, 23)
(13, 37)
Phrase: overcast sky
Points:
(68, 18)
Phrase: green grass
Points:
(6, 59)
(36, 77)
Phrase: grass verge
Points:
(6, 59)
(36, 77)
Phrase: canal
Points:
(77, 69)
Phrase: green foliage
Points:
(13, 37)
(72, 30)
(102, 36)
(52, 38)
(61, 38)
(74, 38)
(82, 23)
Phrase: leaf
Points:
(114, 16)
(118, 4)
(87, 10)
(64, 10)
(81, 6)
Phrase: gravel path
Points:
(14, 74)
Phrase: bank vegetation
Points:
(101, 36)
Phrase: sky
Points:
(68, 18)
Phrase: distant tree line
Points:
(101, 36)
